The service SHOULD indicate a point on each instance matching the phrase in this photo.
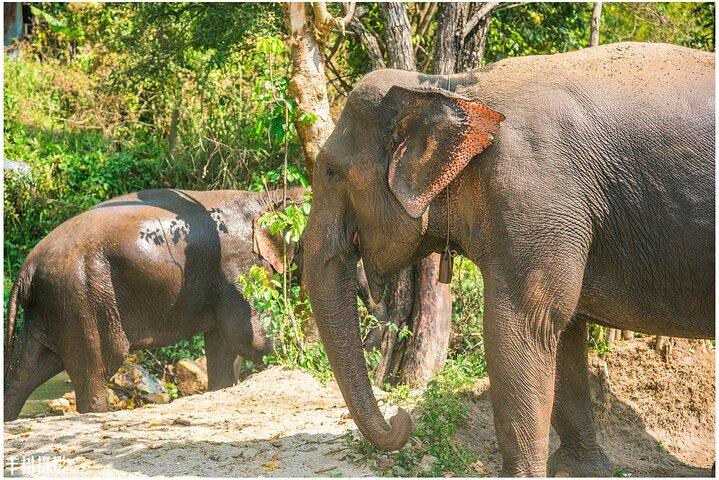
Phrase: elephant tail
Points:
(18, 296)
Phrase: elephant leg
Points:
(90, 372)
(90, 392)
(220, 361)
(31, 365)
(241, 328)
(523, 318)
(579, 453)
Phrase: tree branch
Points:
(369, 40)
(426, 18)
(483, 12)
(325, 22)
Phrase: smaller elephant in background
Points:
(143, 270)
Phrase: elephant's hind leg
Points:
(579, 453)
(32, 364)
(90, 368)
(90, 383)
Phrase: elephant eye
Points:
(330, 171)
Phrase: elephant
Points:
(140, 271)
(582, 186)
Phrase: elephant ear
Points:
(269, 246)
(434, 134)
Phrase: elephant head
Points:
(398, 143)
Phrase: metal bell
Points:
(446, 266)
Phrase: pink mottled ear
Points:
(434, 135)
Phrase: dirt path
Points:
(277, 423)
(657, 419)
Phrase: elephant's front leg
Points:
(579, 453)
(220, 359)
(521, 331)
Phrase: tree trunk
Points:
(461, 36)
(426, 350)
(448, 40)
(12, 16)
(596, 17)
(612, 337)
(368, 40)
(399, 36)
(471, 54)
(172, 133)
(400, 305)
(308, 83)
(417, 301)
(663, 347)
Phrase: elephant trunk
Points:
(333, 295)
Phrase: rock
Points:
(59, 406)
(113, 400)
(70, 397)
(426, 463)
(202, 362)
(190, 377)
(159, 397)
(133, 382)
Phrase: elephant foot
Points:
(573, 462)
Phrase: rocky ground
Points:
(656, 417)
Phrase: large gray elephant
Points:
(581, 184)
(140, 271)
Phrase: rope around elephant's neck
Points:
(446, 246)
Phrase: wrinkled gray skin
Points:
(594, 202)
(140, 271)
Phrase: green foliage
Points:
(442, 410)
(621, 472)
(189, 348)
(690, 24)
(285, 319)
(545, 28)
(538, 28)
(290, 222)
(172, 390)
(55, 24)
(598, 344)
(71, 169)
(283, 308)
(272, 179)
